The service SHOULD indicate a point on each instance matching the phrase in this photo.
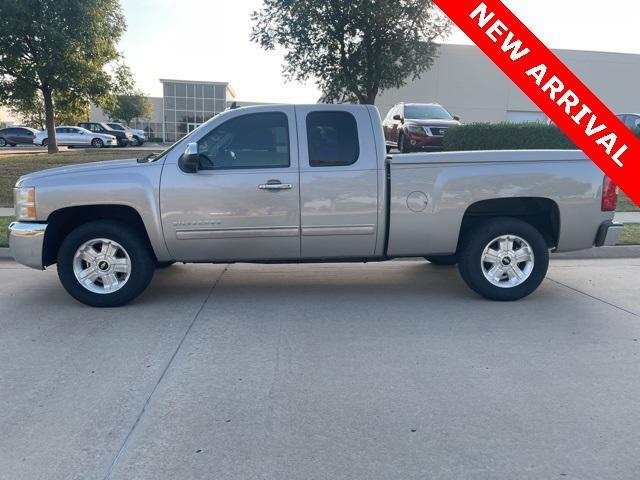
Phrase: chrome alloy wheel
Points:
(102, 266)
(507, 261)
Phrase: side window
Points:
(333, 139)
(257, 140)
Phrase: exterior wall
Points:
(188, 104)
(6, 119)
(468, 84)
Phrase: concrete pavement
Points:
(379, 371)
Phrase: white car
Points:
(138, 136)
(77, 136)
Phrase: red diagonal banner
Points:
(552, 86)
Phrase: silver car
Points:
(76, 136)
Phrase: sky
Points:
(209, 40)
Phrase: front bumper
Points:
(26, 241)
(609, 234)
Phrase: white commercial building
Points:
(468, 84)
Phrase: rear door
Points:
(244, 202)
(62, 136)
(338, 182)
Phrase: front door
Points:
(243, 203)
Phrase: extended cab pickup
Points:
(309, 184)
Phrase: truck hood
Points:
(30, 179)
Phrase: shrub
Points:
(506, 136)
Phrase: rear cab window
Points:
(332, 139)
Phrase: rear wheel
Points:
(122, 142)
(45, 142)
(504, 259)
(443, 260)
(3, 142)
(105, 264)
(97, 143)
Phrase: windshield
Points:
(116, 126)
(426, 112)
(152, 157)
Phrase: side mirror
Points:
(397, 117)
(456, 118)
(190, 159)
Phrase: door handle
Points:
(275, 186)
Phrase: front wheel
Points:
(97, 143)
(401, 145)
(3, 142)
(137, 142)
(105, 264)
(504, 259)
(45, 142)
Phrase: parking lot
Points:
(391, 371)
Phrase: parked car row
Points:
(94, 134)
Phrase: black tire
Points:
(3, 142)
(122, 142)
(137, 142)
(97, 143)
(478, 239)
(443, 260)
(141, 259)
(45, 142)
(161, 265)
(401, 145)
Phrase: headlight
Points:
(24, 201)
(415, 129)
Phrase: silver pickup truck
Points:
(309, 184)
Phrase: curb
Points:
(594, 253)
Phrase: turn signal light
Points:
(25, 203)
(609, 195)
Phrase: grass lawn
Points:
(14, 166)
(4, 233)
(631, 234)
(625, 204)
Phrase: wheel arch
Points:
(541, 213)
(61, 222)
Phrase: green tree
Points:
(127, 107)
(59, 48)
(352, 49)
(31, 111)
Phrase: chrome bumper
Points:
(26, 241)
(609, 234)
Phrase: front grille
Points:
(438, 131)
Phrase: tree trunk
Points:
(50, 120)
